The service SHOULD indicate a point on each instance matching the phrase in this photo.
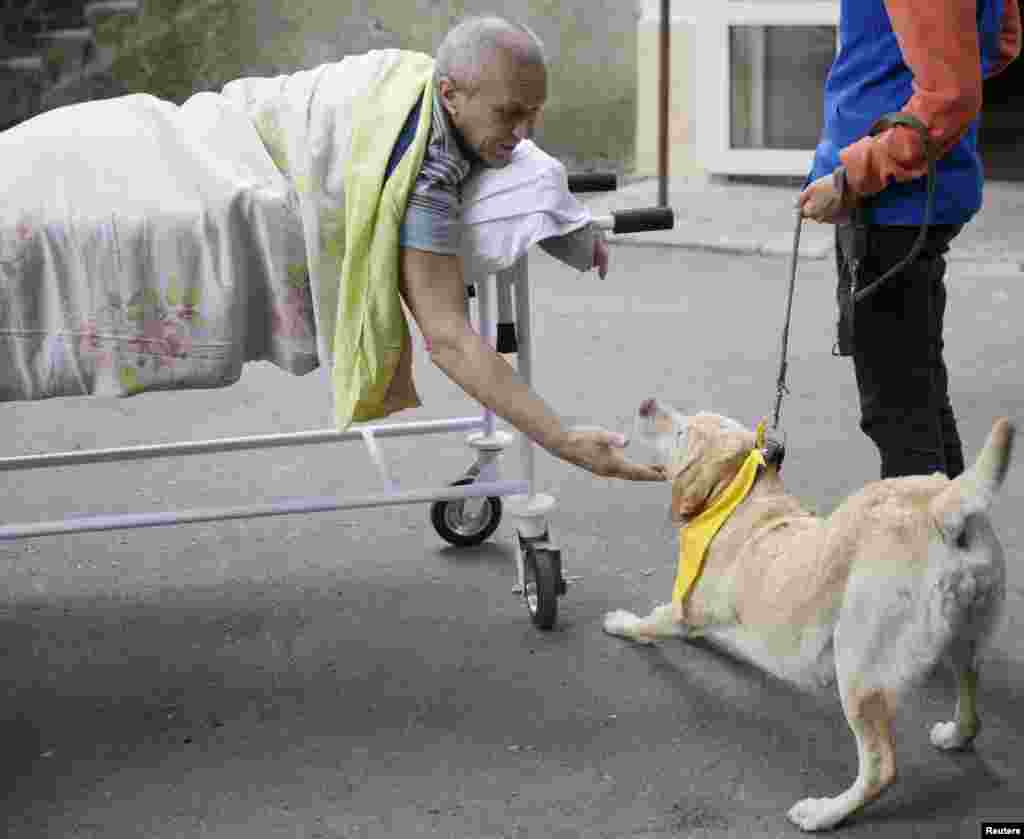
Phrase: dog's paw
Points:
(949, 737)
(622, 624)
(816, 814)
(619, 622)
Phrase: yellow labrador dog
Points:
(905, 573)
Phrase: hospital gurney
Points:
(464, 513)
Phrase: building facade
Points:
(746, 90)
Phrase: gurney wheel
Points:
(542, 584)
(467, 522)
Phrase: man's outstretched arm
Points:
(433, 289)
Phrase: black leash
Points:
(780, 385)
(775, 447)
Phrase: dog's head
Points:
(701, 453)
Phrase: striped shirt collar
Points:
(446, 142)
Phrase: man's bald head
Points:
(491, 79)
(473, 44)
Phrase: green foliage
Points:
(113, 31)
(53, 60)
(178, 47)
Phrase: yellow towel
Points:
(371, 339)
(696, 535)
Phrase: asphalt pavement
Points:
(350, 675)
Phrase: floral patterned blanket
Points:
(146, 246)
(150, 246)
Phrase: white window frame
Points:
(714, 98)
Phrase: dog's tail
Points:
(973, 491)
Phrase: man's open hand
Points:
(821, 201)
(600, 451)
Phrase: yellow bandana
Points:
(696, 535)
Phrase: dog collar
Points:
(696, 534)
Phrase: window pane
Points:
(776, 78)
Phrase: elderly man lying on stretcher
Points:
(148, 246)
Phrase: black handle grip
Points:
(637, 221)
(594, 182)
(507, 341)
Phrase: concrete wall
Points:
(179, 46)
(682, 123)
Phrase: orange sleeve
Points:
(939, 43)
(1009, 38)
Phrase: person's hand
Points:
(600, 451)
(601, 256)
(822, 201)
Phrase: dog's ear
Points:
(687, 500)
(687, 493)
(714, 455)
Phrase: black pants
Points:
(897, 354)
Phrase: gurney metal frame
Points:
(540, 573)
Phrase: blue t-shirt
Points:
(868, 79)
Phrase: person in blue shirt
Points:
(926, 59)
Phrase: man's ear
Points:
(448, 92)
